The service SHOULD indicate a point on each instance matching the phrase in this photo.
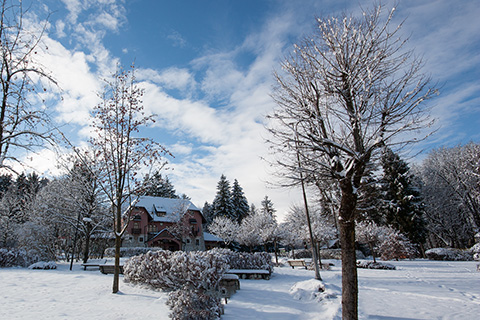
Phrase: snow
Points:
(418, 289)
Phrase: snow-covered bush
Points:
(396, 246)
(43, 265)
(374, 265)
(172, 270)
(300, 254)
(192, 278)
(245, 260)
(129, 251)
(448, 254)
(336, 254)
(13, 258)
(475, 251)
(194, 304)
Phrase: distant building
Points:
(171, 224)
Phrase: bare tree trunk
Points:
(116, 274)
(372, 249)
(86, 251)
(349, 259)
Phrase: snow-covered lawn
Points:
(416, 290)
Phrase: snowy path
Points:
(261, 299)
(416, 290)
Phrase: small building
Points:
(171, 224)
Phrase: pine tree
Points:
(222, 204)
(160, 187)
(402, 203)
(208, 213)
(267, 207)
(239, 202)
(369, 199)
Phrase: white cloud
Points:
(171, 78)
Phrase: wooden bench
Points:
(92, 264)
(250, 273)
(297, 263)
(109, 268)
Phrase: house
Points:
(171, 224)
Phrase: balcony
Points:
(136, 231)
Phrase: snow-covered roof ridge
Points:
(169, 208)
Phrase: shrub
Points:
(245, 260)
(191, 277)
(475, 251)
(448, 254)
(396, 246)
(374, 265)
(194, 304)
(300, 254)
(13, 258)
(129, 251)
(173, 270)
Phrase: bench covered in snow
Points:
(297, 263)
(95, 264)
(250, 273)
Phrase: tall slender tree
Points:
(347, 91)
(24, 123)
(122, 153)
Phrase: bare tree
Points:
(24, 123)
(117, 121)
(346, 92)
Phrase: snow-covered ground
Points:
(418, 289)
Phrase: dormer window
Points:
(159, 213)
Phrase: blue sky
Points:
(207, 70)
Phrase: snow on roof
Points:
(165, 209)
(210, 237)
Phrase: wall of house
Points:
(196, 242)
(136, 233)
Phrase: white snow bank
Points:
(312, 290)
(43, 265)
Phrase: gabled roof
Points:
(165, 209)
(210, 237)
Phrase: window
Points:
(140, 239)
(152, 228)
(197, 242)
(188, 240)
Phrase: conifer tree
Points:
(402, 203)
(159, 186)
(222, 204)
(239, 202)
(208, 213)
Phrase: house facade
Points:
(171, 224)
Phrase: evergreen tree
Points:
(402, 203)
(369, 199)
(160, 187)
(222, 204)
(208, 213)
(239, 202)
(267, 207)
